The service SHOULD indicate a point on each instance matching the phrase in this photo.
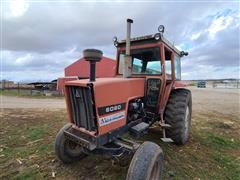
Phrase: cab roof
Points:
(150, 39)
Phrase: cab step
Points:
(139, 129)
(163, 125)
(167, 140)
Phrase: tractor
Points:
(146, 92)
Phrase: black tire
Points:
(67, 151)
(147, 163)
(178, 114)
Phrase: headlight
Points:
(114, 39)
(183, 53)
(157, 36)
(115, 43)
(161, 28)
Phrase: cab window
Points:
(177, 67)
(168, 62)
(144, 61)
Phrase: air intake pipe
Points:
(127, 62)
(92, 56)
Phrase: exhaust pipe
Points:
(92, 56)
(128, 61)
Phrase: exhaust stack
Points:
(92, 56)
(127, 63)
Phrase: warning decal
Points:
(111, 118)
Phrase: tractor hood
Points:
(114, 90)
(108, 91)
(111, 96)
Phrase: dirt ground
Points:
(226, 101)
(13, 102)
(28, 129)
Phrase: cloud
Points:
(46, 37)
(58, 26)
(214, 49)
(16, 8)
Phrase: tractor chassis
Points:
(107, 144)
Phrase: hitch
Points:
(117, 148)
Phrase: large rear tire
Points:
(67, 151)
(147, 163)
(178, 114)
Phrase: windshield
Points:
(144, 61)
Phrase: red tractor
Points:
(146, 91)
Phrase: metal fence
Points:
(28, 91)
(228, 85)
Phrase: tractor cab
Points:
(153, 58)
(151, 55)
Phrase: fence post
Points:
(18, 88)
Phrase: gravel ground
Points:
(22, 102)
(226, 101)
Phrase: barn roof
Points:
(105, 68)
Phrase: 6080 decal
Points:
(110, 109)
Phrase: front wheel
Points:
(147, 163)
(66, 150)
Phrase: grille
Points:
(82, 107)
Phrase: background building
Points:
(80, 70)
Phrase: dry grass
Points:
(27, 138)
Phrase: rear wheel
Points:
(66, 150)
(147, 163)
(178, 114)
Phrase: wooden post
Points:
(18, 88)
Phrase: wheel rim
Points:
(156, 171)
(72, 148)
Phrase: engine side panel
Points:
(111, 100)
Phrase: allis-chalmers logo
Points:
(111, 108)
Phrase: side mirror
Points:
(182, 53)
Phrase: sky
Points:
(39, 38)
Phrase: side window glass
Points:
(177, 67)
(168, 67)
(168, 63)
(137, 66)
(121, 63)
(153, 67)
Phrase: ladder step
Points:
(165, 125)
(168, 140)
(139, 129)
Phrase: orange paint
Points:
(110, 91)
(117, 90)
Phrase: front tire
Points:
(147, 163)
(66, 150)
(178, 114)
